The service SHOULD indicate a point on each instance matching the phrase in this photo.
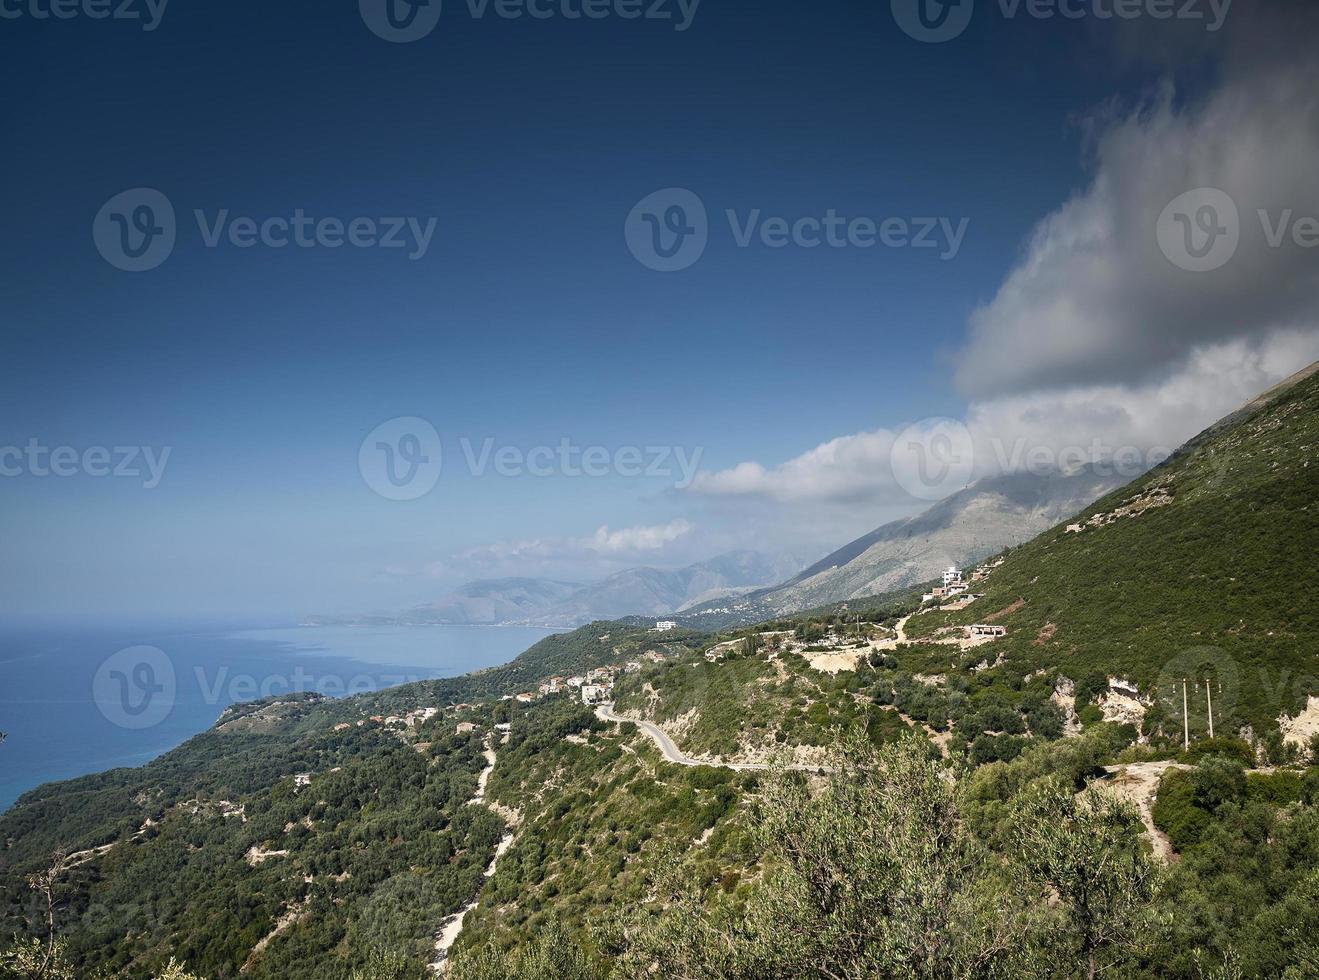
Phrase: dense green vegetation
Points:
(756, 699)
(1211, 583)
(374, 850)
(600, 814)
(957, 822)
(564, 654)
(878, 873)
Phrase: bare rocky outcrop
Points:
(1064, 696)
(1299, 730)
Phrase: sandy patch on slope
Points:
(1304, 726)
(832, 663)
(1138, 782)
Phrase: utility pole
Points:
(1186, 721)
(1210, 698)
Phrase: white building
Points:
(952, 576)
(664, 625)
(594, 693)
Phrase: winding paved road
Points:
(672, 753)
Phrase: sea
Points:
(82, 700)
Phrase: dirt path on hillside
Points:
(1138, 783)
(452, 927)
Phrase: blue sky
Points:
(527, 321)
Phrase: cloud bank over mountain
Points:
(1097, 342)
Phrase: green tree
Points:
(1084, 851)
(32, 959)
(383, 964)
(1218, 779)
(551, 955)
(875, 875)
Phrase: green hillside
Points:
(1200, 569)
(303, 838)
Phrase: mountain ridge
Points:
(972, 524)
(640, 591)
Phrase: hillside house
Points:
(664, 625)
(987, 629)
(595, 693)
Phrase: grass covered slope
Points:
(284, 843)
(598, 816)
(564, 654)
(1201, 568)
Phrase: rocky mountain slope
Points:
(1199, 572)
(969, 525)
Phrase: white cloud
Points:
(850, 467)
(633, 539)
(1066, 427)
(1096, 341)
(1095, 300)
(1148, 416)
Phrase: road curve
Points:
(672, 753)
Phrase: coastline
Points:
(52, 712)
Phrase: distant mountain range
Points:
(748, 586)
(972, 524)
(632, 592)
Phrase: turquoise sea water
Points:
(77, 701)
